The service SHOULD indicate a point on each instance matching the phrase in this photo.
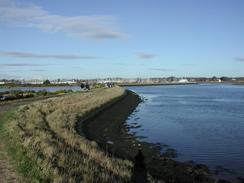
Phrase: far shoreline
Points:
(13, 86)
(156, 84)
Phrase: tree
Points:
(46, 82)
(225, 78)
(82, 85)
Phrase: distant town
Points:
(124, 81)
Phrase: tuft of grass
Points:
(19, 159)
(45, 146)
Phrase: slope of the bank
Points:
(110, 131)
(45, 134)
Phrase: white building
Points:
(63, 82)
(33, 82)
(183, 81)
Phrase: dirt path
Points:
(7, 172)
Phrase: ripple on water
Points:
(203, 123)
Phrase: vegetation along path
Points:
(7, 171)
(46, 148)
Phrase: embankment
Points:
(109, 130)
(42, 136)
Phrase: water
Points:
(203, 123)
(48, 88)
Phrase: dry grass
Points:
(46, 132)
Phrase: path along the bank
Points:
(7, 171)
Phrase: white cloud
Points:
(22, 65)
(96, 27)
(239, 59)
(143, 55)
(44, 56)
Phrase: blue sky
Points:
(139, 38)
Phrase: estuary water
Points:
(203, 123)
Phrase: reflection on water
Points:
(204, 123)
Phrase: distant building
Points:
(2, 82)
(57, 82)
(172, 79)
(183, 81)
(32, 82)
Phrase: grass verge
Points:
(45, 147)
(18, 156)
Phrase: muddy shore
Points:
(109, 129)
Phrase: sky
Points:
(130, 38)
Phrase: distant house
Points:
(63, 82)
(35, 82)
(172, 79)
(2, 82)
(32, 82)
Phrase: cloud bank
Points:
(98, 27)
(238, 59)
(22, 65)
(43, 56)
(143, 55)
(38, 70)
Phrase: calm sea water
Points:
(203, 123)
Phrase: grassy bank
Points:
(18, 156)
(45, 147)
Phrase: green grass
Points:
(19, 159)
(44, 146)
